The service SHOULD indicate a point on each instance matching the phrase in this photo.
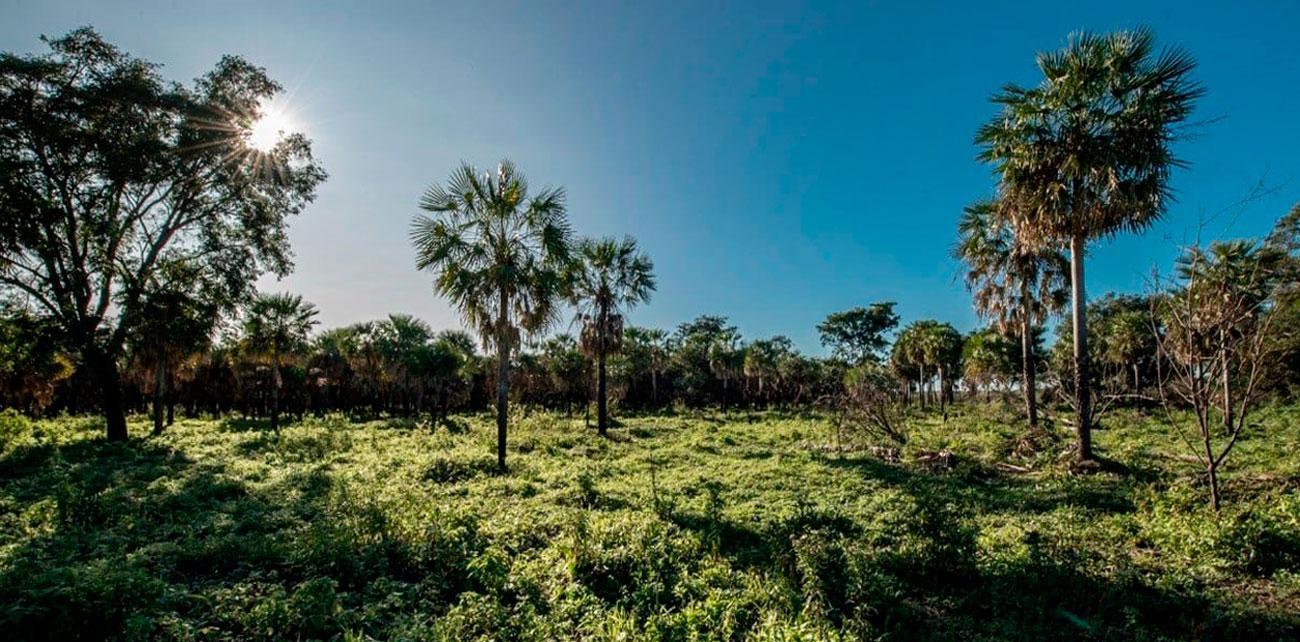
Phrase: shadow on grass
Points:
(131, 526)
(982, 490)
(921, 580)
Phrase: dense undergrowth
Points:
(692, 527)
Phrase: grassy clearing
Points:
(693, 527)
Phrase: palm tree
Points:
(653, 342)
(498, 254)
(907, 359)
(607, 278)
(278, 324)
(761, 362)
(178, 313)
(941, 346)
(400, 339)
(1087, 154)
(1016, 286)
(724, 360)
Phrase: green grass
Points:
(693, 527)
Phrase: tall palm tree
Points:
(607, 278)
(1015, 286)
(498, 254)
(278, 324)
(1087, 154)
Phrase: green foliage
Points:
(33, 361)
(697, 527)
(858, 335)
(109, 174)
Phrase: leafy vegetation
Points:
(700, 526)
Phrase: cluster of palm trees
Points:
(506, 259)
(1085, 154)
(926, 352)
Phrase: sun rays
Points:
(255, 141)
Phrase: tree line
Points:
(137, 216)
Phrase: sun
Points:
(274, 124)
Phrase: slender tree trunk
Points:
(110, 386)
(275, 389)
(1027, 369)
(921, 390)
(503, 382)
(1226, 383)
(159, 394)
(602, 403)
(602, 342)
(1082, 389)
(1215, 497)
(943, 408)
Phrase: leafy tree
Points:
(1015, 285)
(704, 350)
(607, 278)
(858, 335)
(1284, 239)
(107, 172)
(277, 325)
(1086, 154)
(498, 254)
(1122, 346)
(809, 379)
(32, 362)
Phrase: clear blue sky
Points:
(779, 161)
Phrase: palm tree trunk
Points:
(943, 409)
(602, 407)
(1082, 391)
(602, 404)
(275, 389)
(503, 379)
(1027, 370)
(921, 390)
(159, 393)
